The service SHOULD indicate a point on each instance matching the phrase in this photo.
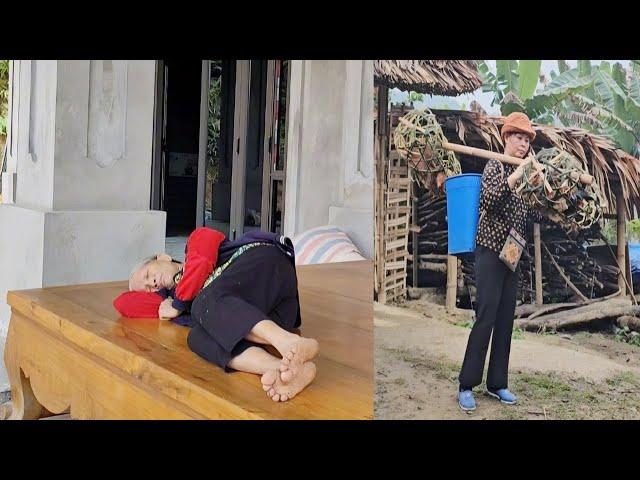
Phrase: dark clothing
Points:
(228, 247)
(225, 251)
(500, 208)
(260, 284)
(496, 302)
(496, 285)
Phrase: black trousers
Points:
(261, 284)
(496, 287)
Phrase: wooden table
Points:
(69, 350)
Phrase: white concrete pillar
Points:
(330, 148)
(81, 138)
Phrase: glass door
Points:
(244, 178)
(219, 150)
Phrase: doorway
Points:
(219, 149)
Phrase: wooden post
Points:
(382, 133)
(414, 234)
(621, 240)
(628, 269)
(538, 262)
(452, 283)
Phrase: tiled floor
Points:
(174, 246)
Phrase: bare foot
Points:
(281, 392)
(300, 351)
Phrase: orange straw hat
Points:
(517, 122)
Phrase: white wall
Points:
(98, 246)
(330, 149)
(104, 134)
(36, 118)
(21, 245)
(82, 151)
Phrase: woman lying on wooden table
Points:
(236, 296)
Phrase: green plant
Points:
(517, 333)
(415, 97)
(626, 335)
(633, 230)
(410, 98)
(4, 95)
(602, 99)
(609, 230)
(513, 82)
(466, 324)
(213, 122)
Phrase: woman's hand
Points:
(518, 173)
(166, 310)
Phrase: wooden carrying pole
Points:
(478, 152)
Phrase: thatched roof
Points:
(435, 77)
(613, 169)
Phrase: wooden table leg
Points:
(24, 405)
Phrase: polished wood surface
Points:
(69, 350)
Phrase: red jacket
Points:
(201, 255)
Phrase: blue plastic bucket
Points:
(463, 201)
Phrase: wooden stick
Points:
(621, 220)
(452, 283)
(567, 320)
(414, 236)
(564, 277)
(538, 262)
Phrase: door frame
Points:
(270, 175)
(159, 125)
(239, 145)
(205, 80)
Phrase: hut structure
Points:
(559, 268)
(393, 185)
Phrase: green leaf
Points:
(606, 89)
(584, 68)
(510, 107)
(605, 66)
(507, 72)
(528, 75)
(566, 82)
(634, 88)
(483, 68)
(619, 75)
(626, 140)
(563, 66)
(540, 105)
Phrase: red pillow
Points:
(138, 304)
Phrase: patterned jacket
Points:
(500, 208)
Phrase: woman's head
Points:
(154, 273)
(517, 134)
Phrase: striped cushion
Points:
(326, 244)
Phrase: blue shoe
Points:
(504, 395)
(466, 401)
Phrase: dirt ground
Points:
(419, 350)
